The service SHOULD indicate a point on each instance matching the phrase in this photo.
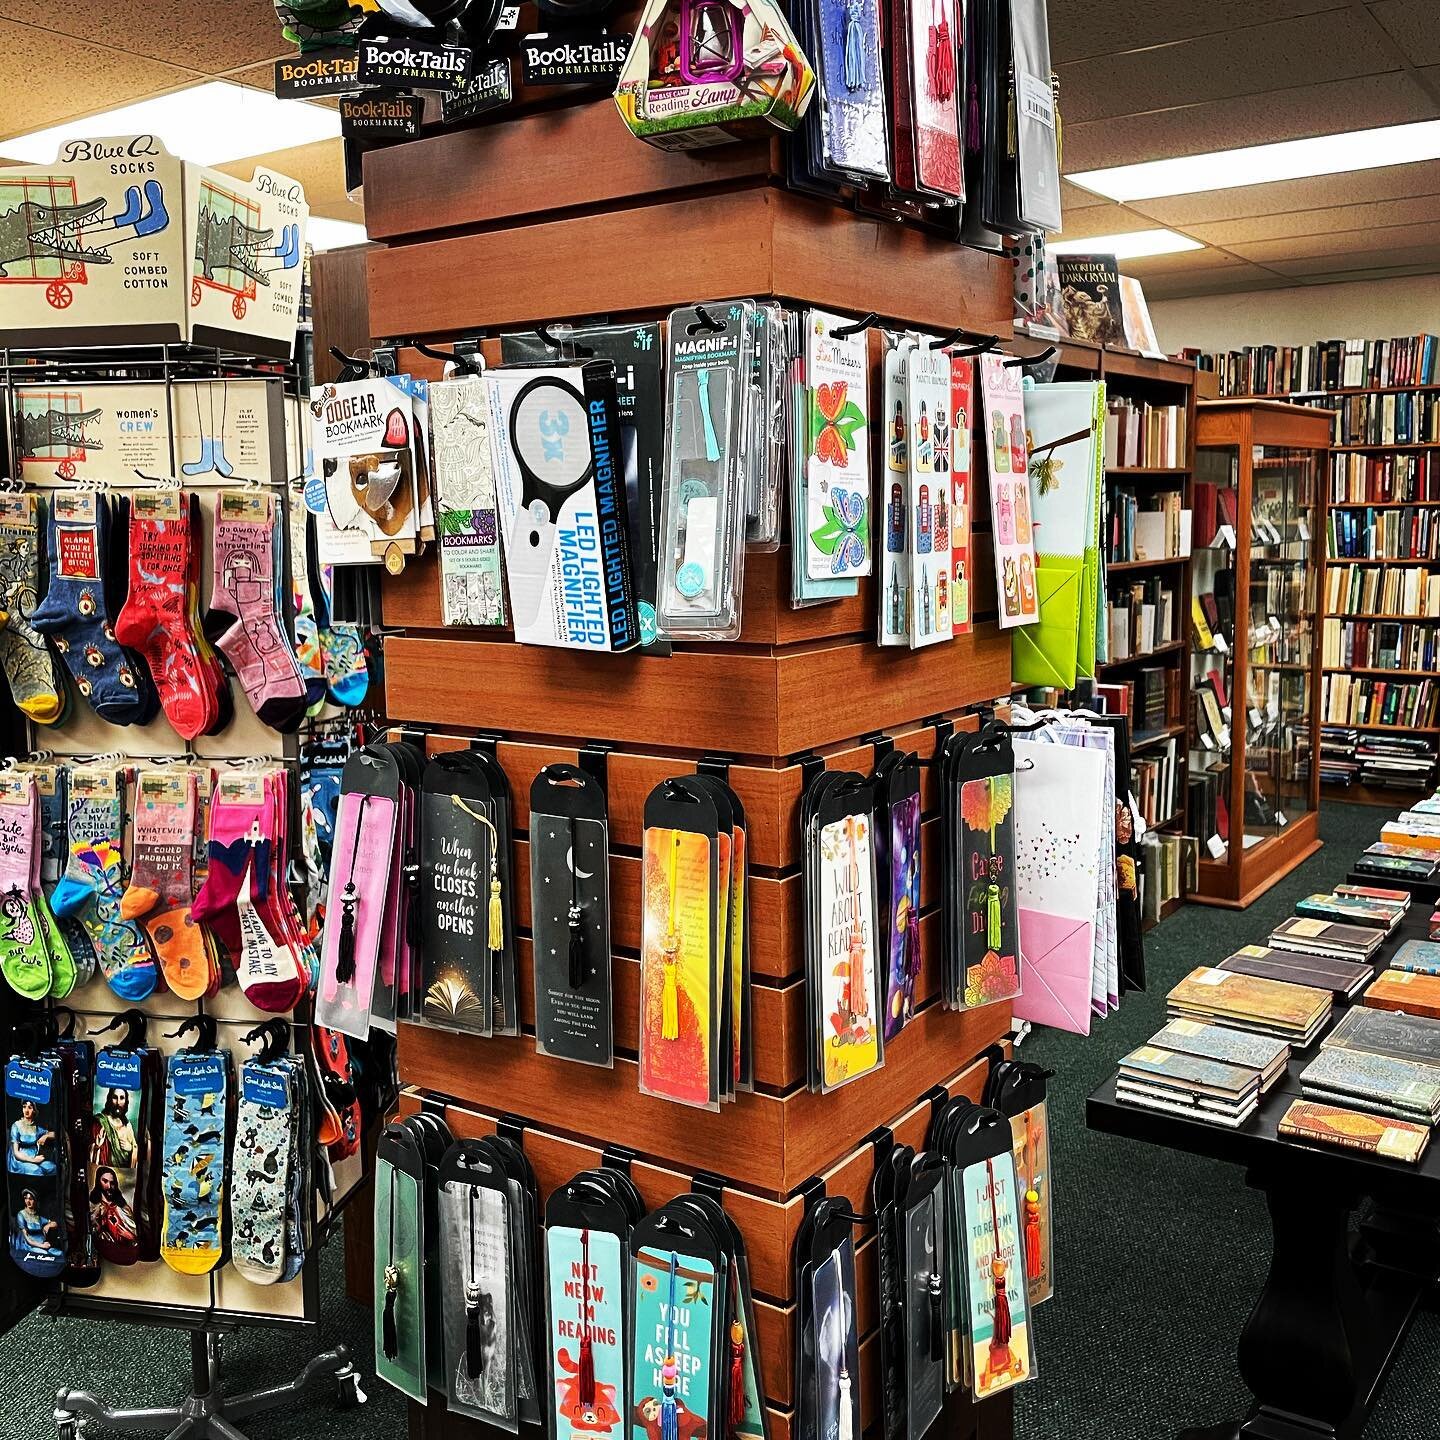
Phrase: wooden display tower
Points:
(558, 215)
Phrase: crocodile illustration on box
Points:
(48, 236)
(229, 251)
(55, 434)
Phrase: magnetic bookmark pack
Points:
(837, 464)
(570, 915)
(962, 483)
(892, 614)
(1007, 458)
(850, 109)
(679, 992)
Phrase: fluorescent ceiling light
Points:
(210, 124)
(1130, 246)
(323, 233)
(1263, 164)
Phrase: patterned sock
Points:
(215, 669)
(24, 955)
(73, 612)
(116, 569)
(346, 669)
(156, 616)
(161, 878)
(240, 812)
(260, 1171)
(51, 781)
(27, 664)
(197, 1088)
(307, 627)
(267, 969)
(64, 972)
(93, 883)
(244, 619)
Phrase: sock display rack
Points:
(102, 383)
(560, 215)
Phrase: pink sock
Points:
(240, 813)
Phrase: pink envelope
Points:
(1057, 956)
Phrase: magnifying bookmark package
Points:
(709, 451)
(639, 360)
(560, 495)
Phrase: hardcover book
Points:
(1325, 937)
(1341, 977)
(1421, 957)
(1130, 1096)
(1189, 1072)
(1261, 1053)
(1402, 990)
(1331, 1125)
(1351, 910)
(1387, 1032)
(1090, 294)
(1225, 992)
(1404, 1083)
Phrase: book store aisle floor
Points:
(1132, 1221)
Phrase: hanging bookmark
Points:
(837, 463)
(927, 395)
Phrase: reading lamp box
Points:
(119, 242)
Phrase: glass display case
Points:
(1254, 727)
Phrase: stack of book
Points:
(1263, 1054)
(1391, 417)
(1371, 905)
(1154, 776)
(1327, 939)
(1340, 977)
(1353, 700)
(1190, 1085)
(1417, 828)
(1321, 1124)
(1435, 923)
(1167, 864)
(1380, 590)
(1387, 1032)
(1378, 1084)
(1396, 862)
(1405, 990)
(1360, 477)
(1369, 534)
(1141, 617)
(1294, 1013)
(1396, 762)
(1380, 644)
(1324, 366)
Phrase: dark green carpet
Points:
(1159, 1257)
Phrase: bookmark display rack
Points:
(223, 1301)
(1255, 719)
(1152, 673)
(558, 215)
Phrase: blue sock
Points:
(73, 612)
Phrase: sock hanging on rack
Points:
(115, 567)
(161, 878)
(263, 1159)
(240, 815)
(24, 953)
(307, 626)
(94, 881)
(156, 618)
(197, 1091)
(38, 690)
(37, 1169)
(52, 783)
(122, 1162)
(74, 615)
(212, 664)
(268, 971)
(244, 619)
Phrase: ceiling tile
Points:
(1072, 197)
(1190, 261)
(1289, 114)
(262, 77)
(61, 78)
(1358, 187)
(1081, 28)
(1415, 210)
(1415, 26)
(320, 168)
(1385, 272)
(1180, 285)
(1308, 50)
(1377, 259)
(210, 38)
(1103, 219)
(1343, 242)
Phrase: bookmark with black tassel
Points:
(389, 1334)
(349, 906)
(585, 1362)
(476, 1349)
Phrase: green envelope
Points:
(1046, 653)
(1065, 421)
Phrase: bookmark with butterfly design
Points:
(837, 457)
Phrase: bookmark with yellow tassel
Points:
(670, 991)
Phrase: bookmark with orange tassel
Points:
(1033, 1255)
(670, 991)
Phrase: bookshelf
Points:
(1381, 519)
(1254, 677)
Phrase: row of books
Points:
(1380, 644)
(1167, 871)
(1377, 590)
(1215, 506)
(1148, 526)
(1406, 417)
(1155, 782)
(1374, 759)
(1417, 828)
(1325, 365)
(1411, 533)
(1209, 802)
(1140, 434)
(1151, 700)
(1384, 479)
(1369, 700)
(1141, 617)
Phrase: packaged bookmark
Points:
(709, 439)
(570, 917)
(927, 408)
(827, 1329)
(851, 90)
(1017, 1089)
(837, 461)
(1007, 458)
(892, 625)
(472, 590)
(962, 467)
(679, 999)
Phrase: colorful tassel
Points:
(940, 60)
(737, 1378)
(670, 998)
(496, 936)
(854, 48)
(670, 1370)
(994, 934)
(585, 1364)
